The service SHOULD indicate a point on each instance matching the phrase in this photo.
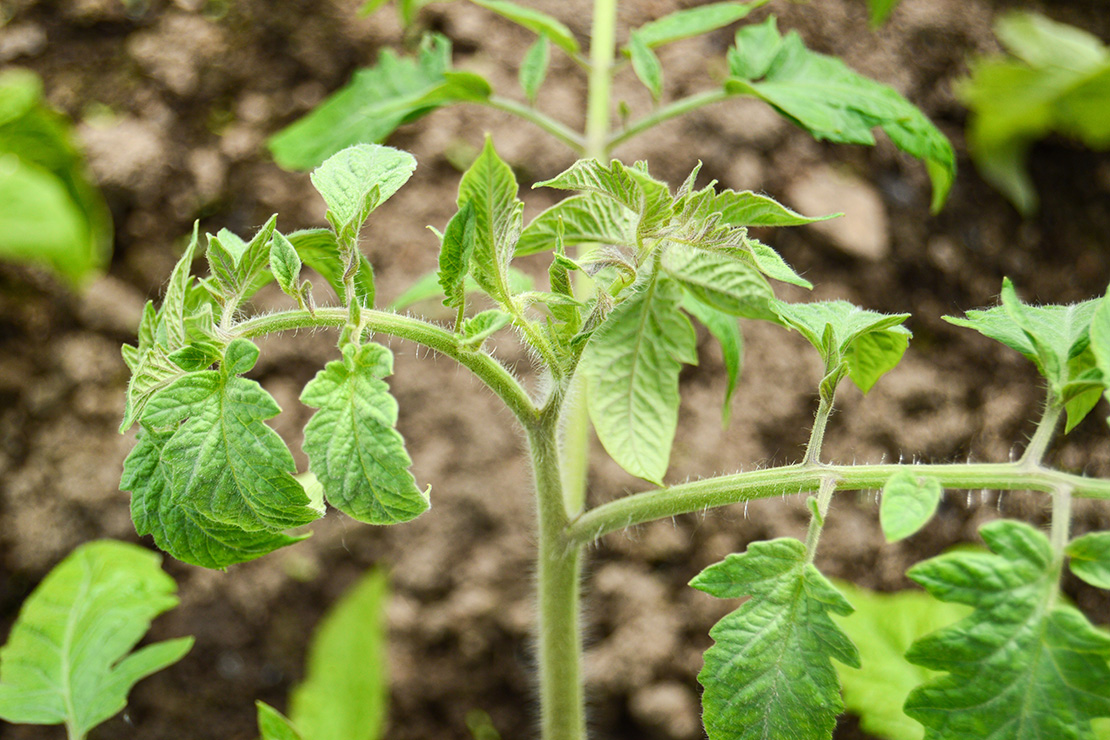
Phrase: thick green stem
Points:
(817, 520)
(558, 574)
(817, 434)
(1042, 436)
(696, 496)
(603, 39)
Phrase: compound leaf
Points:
(1021, 666)
(908, 503)
(535, 21)
(352, 445)
(356, 180)
(68, 659)
(726, 329)
(346, 688)
(491, 188)
(684, 24)
(1090, 558)
(631, 366)
(822, 95)
(769, 675)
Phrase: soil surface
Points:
(175, 101)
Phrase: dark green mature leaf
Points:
(69, 657)
(176, 526)
(1090, 558)
(725, 328)
(631, 367)
(222, 459)
(684, 24)
(533, 68)
(908, 503)
(769, 675)
(346, 688)
(719, 281)
(356, 180)
(454, 255)
(352, 445)
(646, 65)
(273, 725)
(1023, 665)
(884, 625)
(589, 218)
(375, 102)
(535, 21)
(825, 97)
(490, 187)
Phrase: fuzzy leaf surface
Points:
(345, 692)
(769, 675)
(745, 208)
(908, 503)
(352, 444)
(69, 657)
(589, 218)
(535, 21)
(1089, 558)
(721, 282)
(285, 263)
(319, 250)
(356, 180)
(822, 95)
(631, 366)
(1022, 665)
(490, 187)
(454, 255)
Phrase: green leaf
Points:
(769, 674)
(172, 313)
(197, 356)
(721, 282)
(454, 255)
(646, 65)
(375, 102)
(285, 263)
(908, 503)
(1055, 80)
(586, 219)
(1023, 665)
(68, 658)
(825, 97)
(725, 328)
(771, 264)
(319, 250)
(352, 445)
(477, 329)
(176, 526)
(346, 687)
(880, 10)
(491, 188)
(222, 459)
(631, 367)
(427, 287)
(1090, 558)
(746, 208)
(533, 69)
(535, 21)
(684, 24)
(1100, 339)
(356, 180)
(875, 354)
(273, 725)
(883, 626)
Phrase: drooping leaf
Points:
(908, 503)
(346, 687)
(769, 675)
(725, 328)
(273, 725)
(222, 459)
(533, 68)
(721, 282)
(535, 21)
(696, 21)
(646, 65)
(1023, 665)
(177, 527)
(69, 657)
(586, 219)
(356, 180)
(491, 188)
(454, 255)
(631, 367)
(352, 444)
(1089, 558)
(375, 102)
(884, 625)
(822, 95)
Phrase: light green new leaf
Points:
(285, 263)
(648, 199)
(177, 527)
(631, 367)
(883, 626)
(222, 459)
(1023, 665)
(822, 95)
(454, 255)
(319, 250)
(480, 327)
(375, 102)
(273, 725)
(721, 282)
(746, 208)
(725, 328)
(346, 686)
(1090, 558)
(646, 65)
(491, 188)
(589, 218)
(68, 658)
(684, 24)
(352, 445)
(533, 68)
(771, 264)
(356, 180)
(1100, 339)
(173, 311)
(907, 504)
(769, 675)
(874, 354)
(535, 21)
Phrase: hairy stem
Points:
(1061, 529)
(568, 136)
(817, 521)
(1042, 436)
(723, 490)
(817, 434)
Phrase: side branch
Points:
(791, 479)
(483, 365)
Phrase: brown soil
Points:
(178, 98)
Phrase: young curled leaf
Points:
(908, 503)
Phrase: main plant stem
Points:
(562, 700)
